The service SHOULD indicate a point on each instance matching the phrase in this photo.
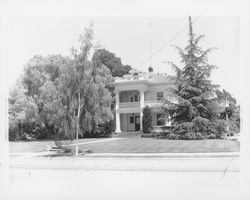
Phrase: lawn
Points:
(138, 145)
(148, 145)
(35, 146)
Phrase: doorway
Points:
(137, 123)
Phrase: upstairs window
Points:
(131, 99)
(160, 96)
(136, 98)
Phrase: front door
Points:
(137, 123)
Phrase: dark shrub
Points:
(200, 124)
(200, 136)
(147, 135)
(172, 136)
(220, 127)
(183, 128)
(12, 135)
(190, 136)
(147, 120)
(109, 127)
(42, 134)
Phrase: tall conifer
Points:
(194, 110)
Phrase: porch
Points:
(131, 122)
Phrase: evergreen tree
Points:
(147, 120)
(194, 110)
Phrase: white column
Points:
(141, 107)
(117, 113)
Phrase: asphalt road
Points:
(126, 178)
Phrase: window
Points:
(131, 119)
(131, 99)
(160, 119)
(160, 96)
(136, 98)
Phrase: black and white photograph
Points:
(124, 100)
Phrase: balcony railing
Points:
(137, 104)
(156, 103)
(129, 105)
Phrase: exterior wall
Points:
(151, 94)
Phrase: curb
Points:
(134, 155)
(163, 155)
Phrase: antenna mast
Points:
(150, 45)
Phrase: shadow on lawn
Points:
(68, 153)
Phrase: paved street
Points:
(211, 164)
(84, 184)
(126, 178)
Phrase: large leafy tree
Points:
(40, 69)
(117, 69)
(86, 98)
(194, 110)
(23, 111)
(40, 79)
(113, 63)
(69, 94)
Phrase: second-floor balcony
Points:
(129, 105)
(156, 103)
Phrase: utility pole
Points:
(227, 105)
(150, 45)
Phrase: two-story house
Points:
(134, 92)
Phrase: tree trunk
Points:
(77, 123)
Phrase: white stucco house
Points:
(134, 92)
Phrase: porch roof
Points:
(136, 76)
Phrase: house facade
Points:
(134, 92)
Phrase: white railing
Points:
(129, 105)
(154, 103)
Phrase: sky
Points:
(27, 34)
